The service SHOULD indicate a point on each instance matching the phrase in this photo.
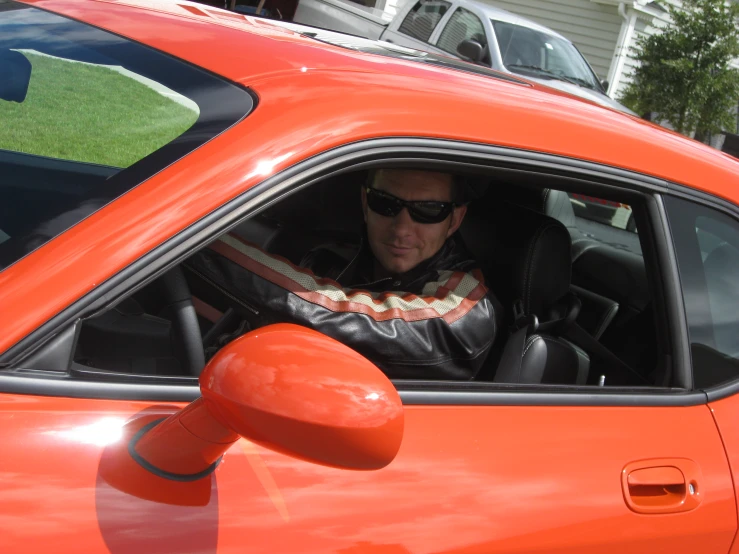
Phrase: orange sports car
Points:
(137, 134)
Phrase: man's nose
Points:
(403, 220)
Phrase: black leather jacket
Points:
(437, 321)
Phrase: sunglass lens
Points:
(383, 204)
(421, 211)
(430, 212)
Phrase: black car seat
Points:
(525, 257)
(554, 203)
(598, 311)
(329, 212)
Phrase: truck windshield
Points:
(530, 52)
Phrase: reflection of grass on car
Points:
(83, 112)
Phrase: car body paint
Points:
(536, 478)
(467, 478)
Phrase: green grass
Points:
(89, 113)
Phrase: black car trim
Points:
(374, 152)
(412, 393)
(704, 198)
(9, 5)
(723, 391)
(671, 294)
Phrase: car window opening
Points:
(587, 286)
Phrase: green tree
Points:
(684, 77)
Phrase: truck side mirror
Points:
(471, 50)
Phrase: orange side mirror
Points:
(287, 388)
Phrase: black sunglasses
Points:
(421, 211)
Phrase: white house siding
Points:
(593, 28)
(641, 29)
(390, 6)
(646, 24)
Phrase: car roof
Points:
(312, 98)
(263, 55)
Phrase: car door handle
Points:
(661, 486)
(656, 476)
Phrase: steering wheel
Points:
(187, 343)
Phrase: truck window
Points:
(423, 19)
(531, 52)
(463, 25)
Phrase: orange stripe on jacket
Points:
(454, 295)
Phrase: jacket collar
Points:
(358, 274)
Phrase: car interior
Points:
(577, 285)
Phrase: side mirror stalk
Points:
(195, 443)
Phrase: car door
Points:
(481, 468)
(706, 233)
(477, 472)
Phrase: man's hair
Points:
(459, 182)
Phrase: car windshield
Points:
(534, 53)
(86, 116)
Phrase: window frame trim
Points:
(436, 393)
(669, 280)
(350, 157)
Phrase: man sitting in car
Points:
(411, 299)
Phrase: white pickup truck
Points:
(471, 30)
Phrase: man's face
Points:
(399, 243)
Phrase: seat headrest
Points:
(542, 269)
(526, 255)
(554, 203)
